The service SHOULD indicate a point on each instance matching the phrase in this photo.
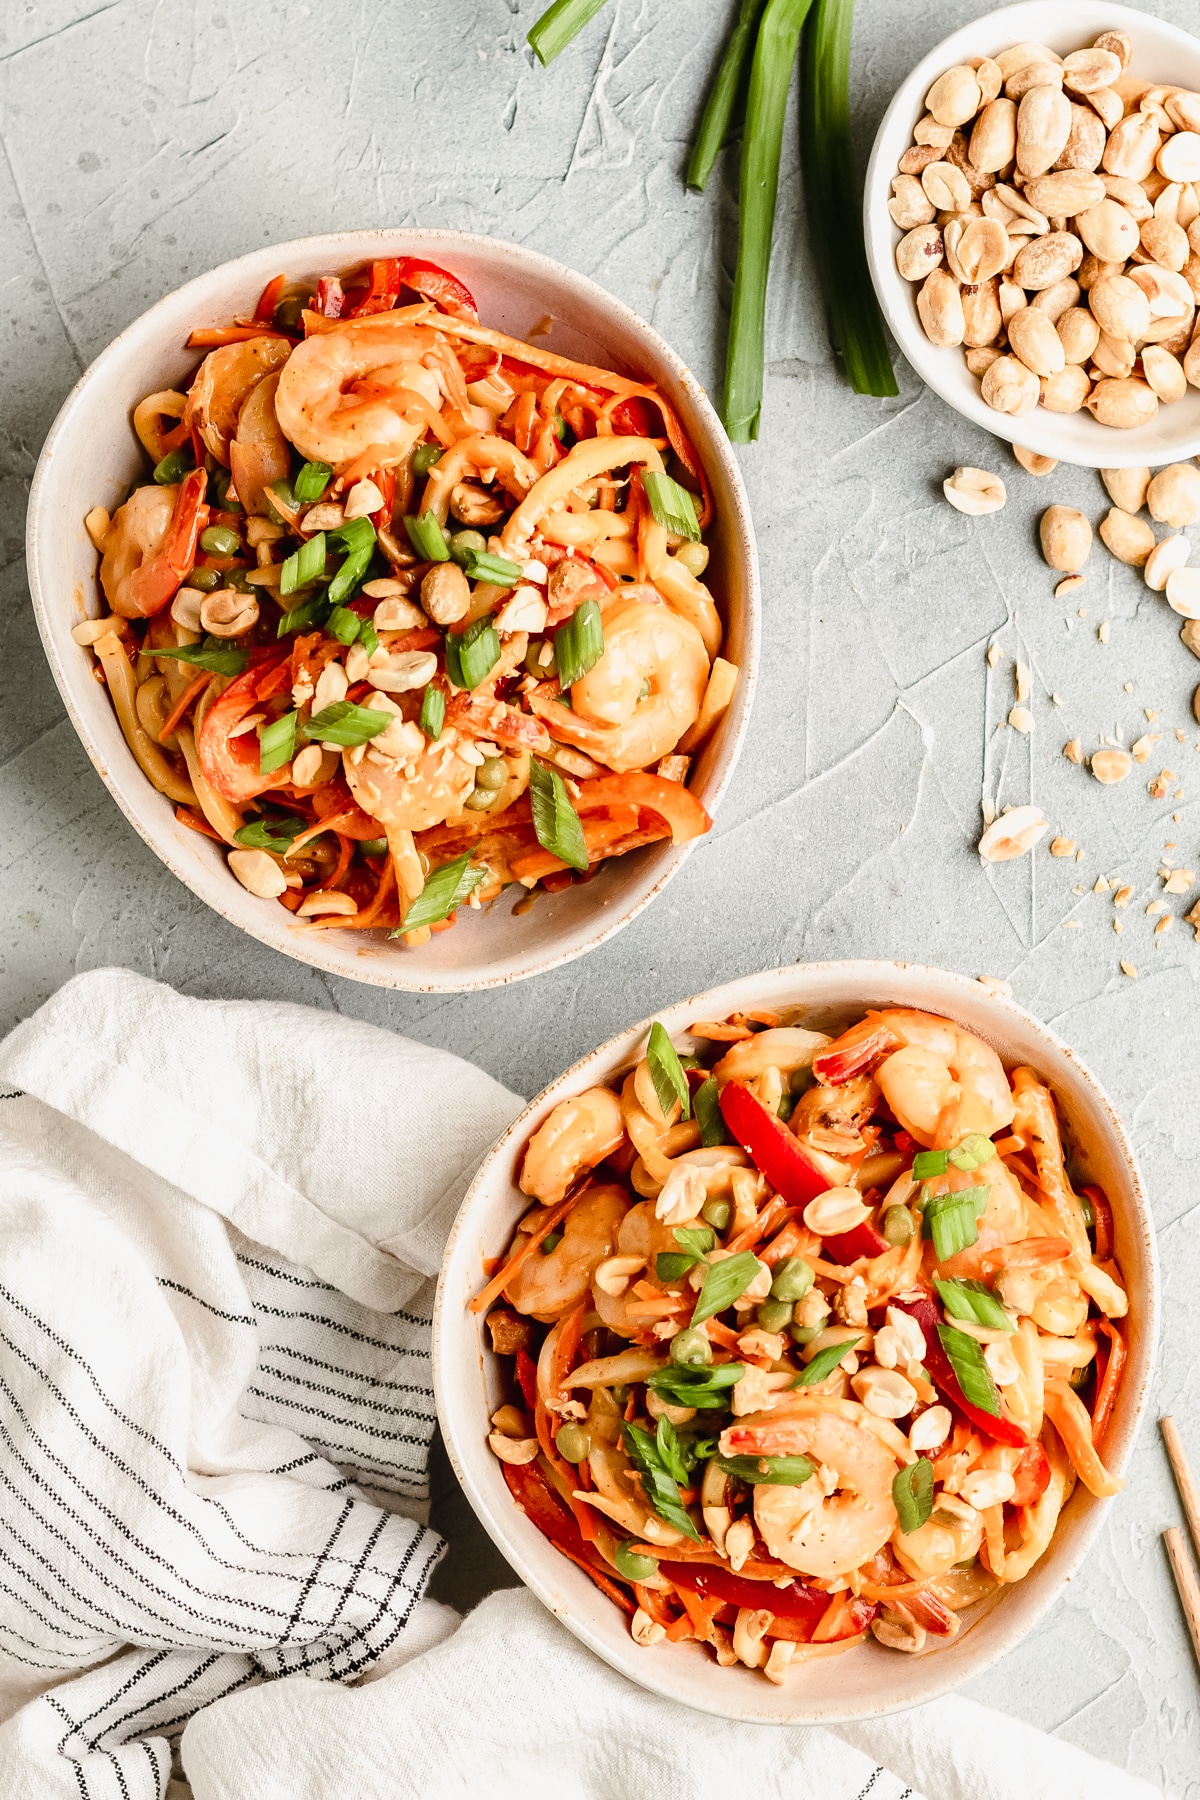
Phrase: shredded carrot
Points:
(1010, 1145)
(1110, 1381)
(211, 337)
(718, 1032)
(364, 921)
(837, 1614)
(681, 1630)
(533, 1241)
(700, 1611)
(794, 1240)
(771, 1216)
(194, 823)
(192, 692)
(721, 1334)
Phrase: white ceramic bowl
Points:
(869, 1679)
(1161, 52)
(92, 456)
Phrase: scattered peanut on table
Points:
(1050, 211)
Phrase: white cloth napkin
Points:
(218, 1224)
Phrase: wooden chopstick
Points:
(1181, 1563)
(1184, 1479)
(1185, 1581)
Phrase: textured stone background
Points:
(143, 141)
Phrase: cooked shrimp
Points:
(412, 795)
(259, 454)
(224, 382)
(640, 1234)
(151, 545)
(946, 1538)
(359, 388)
(579, 1133)
(549, 1286)
(837, 1519)
(830, 1119)
(783, 1047)
(635, 704)
(939, 1080)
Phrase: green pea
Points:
(540, 659)
(220, 540)
(573, 1443)
(492, 774)
(481, 798)
(802, 1080)
(793, 1278)
(1088, 1211)
(620, 1395)
(716, 1213)
(236, 578)
(286, 316)
(174, 466)
(374, 847)
(897, 1225)
(803, 1334)
(775, 1315)
(204, 579)
(424, 457)
(691, 1348)
(631, 1565)
(551, 1242)
(465, 543)
(787, 1105)
(694, 558)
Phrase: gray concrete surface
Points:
(141, 142)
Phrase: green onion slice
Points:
(673, 1265)
(275, 835)
(217, 659)
(343, 624)
(446, 888)
(471, 655)
(350, 573)
(659, 1486)
(725, 1282)
(675, 1456)
(312, 611)
(708, 1115)
(928, 1164)
(670, 1082)
(952, 1220)
(355, 534)
(671, 504)
(579, 644)
(304, 565)
(368, 637)
(778, 1471)
(497, 571)
(699, 1239)
(553, 31)
(276, 743)
(973, 1301)
(433, 712)
(346, 724)
(311, 482)
(555, 820)
(824, 1362)
(912, 1494)
(972, 1153)
(707, 1389)
(427, 537)
(970, 1370)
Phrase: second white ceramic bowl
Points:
(1161, 52)
(869, 1679)
(92, 456)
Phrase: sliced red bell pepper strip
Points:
(269, 299)
(553, 1518)
(231, 764)
(860, 1240)
(925, 1312)
(437, 284)
(331, 300)
(1031, 1476)
(675, 805)
(1109, 1382)
(861, 1051)
(1102, 1213)
(794, 1601)
(771, 1146)
(382, 292)
(527, 1380)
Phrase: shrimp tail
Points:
(158, 580)
(858, 1051)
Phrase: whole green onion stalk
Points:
(762, 142)
(723, 95)
(553, 31)
(833, 199)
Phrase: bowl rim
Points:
(400, 972)
(1036, 430)
(853, 974)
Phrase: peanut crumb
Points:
(1082, 613)
(1142, 748)
(1021, 719)
(994, 654)
(1161, 783)
(1127, 968)
(1151, 713)
(1079, 856)
(1177, 881)
(1100, 885)
(1070, 585)
(1179, 737)
(1073, 751)
(1156, 906)
(1129, 687)
(1072, 925)
(1102, 632)
(1021, 680)
(1164, 925)
(1123, 896)
(1057, 700)
(1118, 927)
(1062, 846)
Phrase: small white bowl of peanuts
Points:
(1032, 220)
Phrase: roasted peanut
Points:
(1165, 243)
(994, 137)
(909, 205)
(445, 593)
(919, 252)
(1085, 143)
(1055, 301)
(1119, 42)
(1167, 556)
(1065, 191)
(1066, 390)
(1126, 487)
(954, 97)
(1179, 158)
(1114, 356)
(1078, 333)
(974, 491)
(1032, 463)
(1108, 230)
(1043, 127)
(1086, 70)
(981, 314)
(1183, 110)
(1132, 147)
(939, 305)
(1163, 372)
(1120, 307)
(1066, 538)
(1047, 259)
(1009, 387)
(1032, 338)
(1173, 496)
(946, 187)
(1122, 404)
(980, 251)
(1128, 538)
